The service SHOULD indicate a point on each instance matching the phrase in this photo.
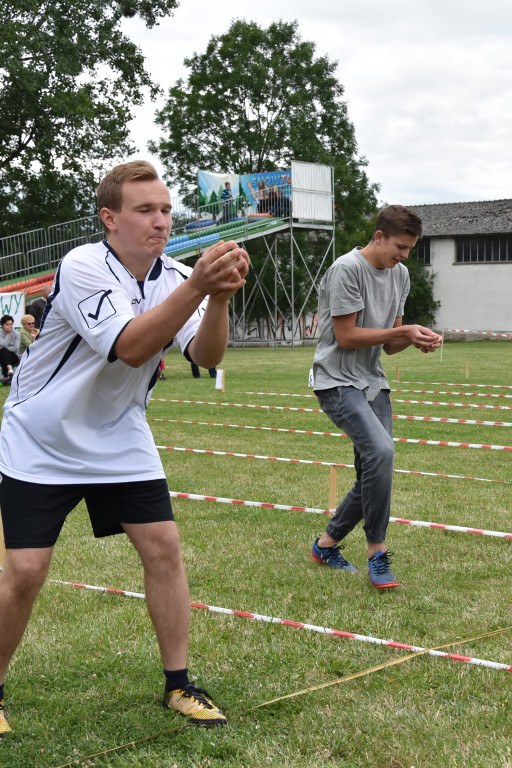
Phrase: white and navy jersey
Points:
(75, 413)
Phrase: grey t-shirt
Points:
(378, 296)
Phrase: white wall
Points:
(474, 297)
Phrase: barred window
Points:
(423, 249)
(472, 250)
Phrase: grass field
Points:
(87, 677)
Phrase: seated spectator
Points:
(28, 332)
(38, 305)
(196, 374)
(262, 197)
(279, 205)
(9, 347)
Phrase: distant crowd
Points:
(13, 342)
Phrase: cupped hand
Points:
(221, 270)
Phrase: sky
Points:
(428, 84)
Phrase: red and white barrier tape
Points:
(451, 384)
(418, 391)
(420, 523)
(315, 410)
(302, 625)
(423, 402)
(322, 463)
(415, 441)
(450, 392)
(455, 421)
(456, 405)
(237, 405)
(483, 333)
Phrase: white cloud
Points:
(428, 84)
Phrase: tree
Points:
(420, 307)
(69, 78)
(253, 101)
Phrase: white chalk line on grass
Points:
(318, 463)
(302, 625)
(266, 505)
(415, 441)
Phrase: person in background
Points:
(197, 375)
(261, 197)
(9, 347)
(279, 205)
(28, 332)
(360, 307)
(226, 200)
(38, 306)
(77, 407)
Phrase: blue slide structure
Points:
(242, 228)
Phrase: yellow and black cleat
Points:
(196, 705)
(4, 725)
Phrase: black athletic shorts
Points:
(33, 514)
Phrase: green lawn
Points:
(87, 677)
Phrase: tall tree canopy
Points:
(253, 101)
(69, 78)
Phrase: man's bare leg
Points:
(23, 576)
(166, 586)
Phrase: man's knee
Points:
(386, 451)
(26, 569)
(157, 543)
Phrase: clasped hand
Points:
(424, 339)
(220, 271)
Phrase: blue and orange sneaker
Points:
(379, 571)
(331, 556)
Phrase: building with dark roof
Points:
(468, 247)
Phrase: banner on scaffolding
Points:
(13, 304)
(257, 186)
(211, 186)
(249, 188)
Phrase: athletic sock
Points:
(176, 678)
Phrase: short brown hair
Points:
(398, 220)
(110, 194)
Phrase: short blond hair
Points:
(27, 319)
(110, 190)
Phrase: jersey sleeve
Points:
(90, 298)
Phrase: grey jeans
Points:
(370, 427)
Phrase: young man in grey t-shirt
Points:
(360, 309)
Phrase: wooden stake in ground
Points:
(467, 369)
(397, 373)
(332, 486)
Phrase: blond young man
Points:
(77, 408)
